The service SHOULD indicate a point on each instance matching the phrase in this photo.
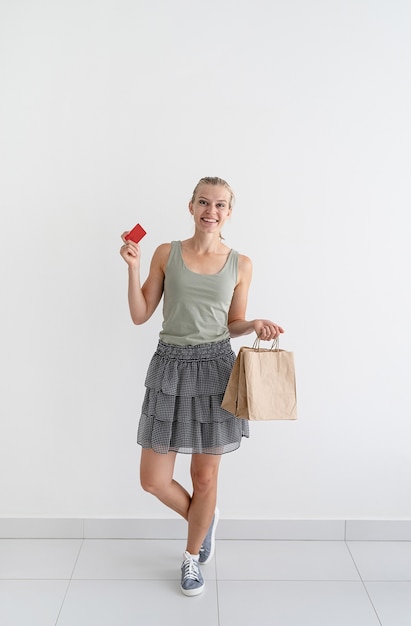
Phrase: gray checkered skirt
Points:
(181, 410)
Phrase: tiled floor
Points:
(95, 582)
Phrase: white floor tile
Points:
(284, 560)
(128, 582)
(392, 602)
(382, 560)
(133, 559)
(135, 603)
(295, 604)
(38, 558)
(31, 602)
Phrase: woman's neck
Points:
(204, 244)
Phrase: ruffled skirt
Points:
(182, 405)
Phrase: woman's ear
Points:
(190, 207)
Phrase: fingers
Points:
(129, 250)
(268, 330)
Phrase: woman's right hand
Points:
(130, 251)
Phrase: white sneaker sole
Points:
(192, 592)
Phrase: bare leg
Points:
(156, 475)
(204, 474)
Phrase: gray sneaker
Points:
(208, 547)
(192, 582)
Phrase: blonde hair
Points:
(214, 180)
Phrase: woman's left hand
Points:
(267, 330)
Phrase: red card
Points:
(136, 234)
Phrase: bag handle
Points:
(275, 346)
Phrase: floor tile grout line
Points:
(220, 580)
(210, 580)
(62, 602)
(347, 581)
(31, 579)
(70, 581)
(363, 583)
(77, 558)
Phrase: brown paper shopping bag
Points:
(262, 384)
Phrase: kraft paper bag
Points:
(262, 384)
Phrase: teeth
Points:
(205, 219)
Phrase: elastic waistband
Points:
(202, 351)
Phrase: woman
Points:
(205, 286)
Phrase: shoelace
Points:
(190, 569)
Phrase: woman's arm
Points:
(237, 324)
(143, 300)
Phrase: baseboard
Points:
(275, 530)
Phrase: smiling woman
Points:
(205, 287)
(215, 187)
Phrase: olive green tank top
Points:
(195, 306)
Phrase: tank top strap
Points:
(175, 258)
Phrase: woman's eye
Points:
(202, 202)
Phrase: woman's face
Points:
(211, 207)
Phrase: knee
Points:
(152, 485)
(204, 481)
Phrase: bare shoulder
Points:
(245, 271)
(245, 266)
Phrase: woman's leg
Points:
(204, 474)
(156, 476)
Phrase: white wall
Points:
(110, 113)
